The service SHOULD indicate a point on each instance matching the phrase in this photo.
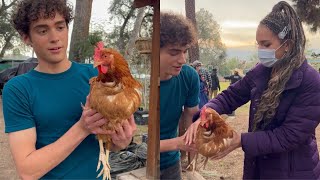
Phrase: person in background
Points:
(284, 94)
(233, 78)
(203, 96)
(197, 65)
(207, 78)
(215, 86)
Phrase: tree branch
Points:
(3, 7)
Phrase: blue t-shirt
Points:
(52, 104)
(179, 91)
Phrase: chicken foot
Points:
(193, 163)
(104, 159)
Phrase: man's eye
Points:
(173, 54)
(42, 32)
(61, 28)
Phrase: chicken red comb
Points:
(203, 113)
(97, 50)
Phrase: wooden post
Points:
(153, 156)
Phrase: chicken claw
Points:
(104, 158)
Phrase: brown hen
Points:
(213, 135)
(115, 94)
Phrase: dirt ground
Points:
(7, 168)
(230, 167)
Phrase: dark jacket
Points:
(215, 82)
(287, 149)
(233, 78)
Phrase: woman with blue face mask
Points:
(284, 94)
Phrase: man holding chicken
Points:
(50, 134)
(179, 90)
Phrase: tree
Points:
(190, 13)
(124, 13)
(80, 30)
(212, 50)
(4, 8)
(124, 17)
(135, 32)
(7, 33)
(309, 12)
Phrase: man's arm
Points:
(178, 143)
(32, 163)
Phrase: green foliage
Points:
(87, 46)
(212, 50)
(309, 12)
(8, 35)
(123, 16)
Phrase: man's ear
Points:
(26, 39)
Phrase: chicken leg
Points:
(104, 159)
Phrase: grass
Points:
(224, 85)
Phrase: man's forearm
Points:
(41, 161)
(168, 145)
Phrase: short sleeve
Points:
(194, 89)
(16, 109)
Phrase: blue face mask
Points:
(267, 57)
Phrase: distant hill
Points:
(241, 53)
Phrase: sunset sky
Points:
(238, 20)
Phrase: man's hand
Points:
(91, 121)
(234, 144)
(122, 136)
(190, 135)
(181, 145)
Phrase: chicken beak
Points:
(97, 63)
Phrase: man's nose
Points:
(54, 36)
(182, 58)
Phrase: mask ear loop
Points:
(285, 51)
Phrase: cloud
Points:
(232, 24)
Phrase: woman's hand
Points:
(234, 144)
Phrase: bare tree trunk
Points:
(135, 32)
(80, 30)
(6, 45)
(120, 42)
(191, 14)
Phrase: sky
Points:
(238, 20)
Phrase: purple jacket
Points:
(288, 150)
